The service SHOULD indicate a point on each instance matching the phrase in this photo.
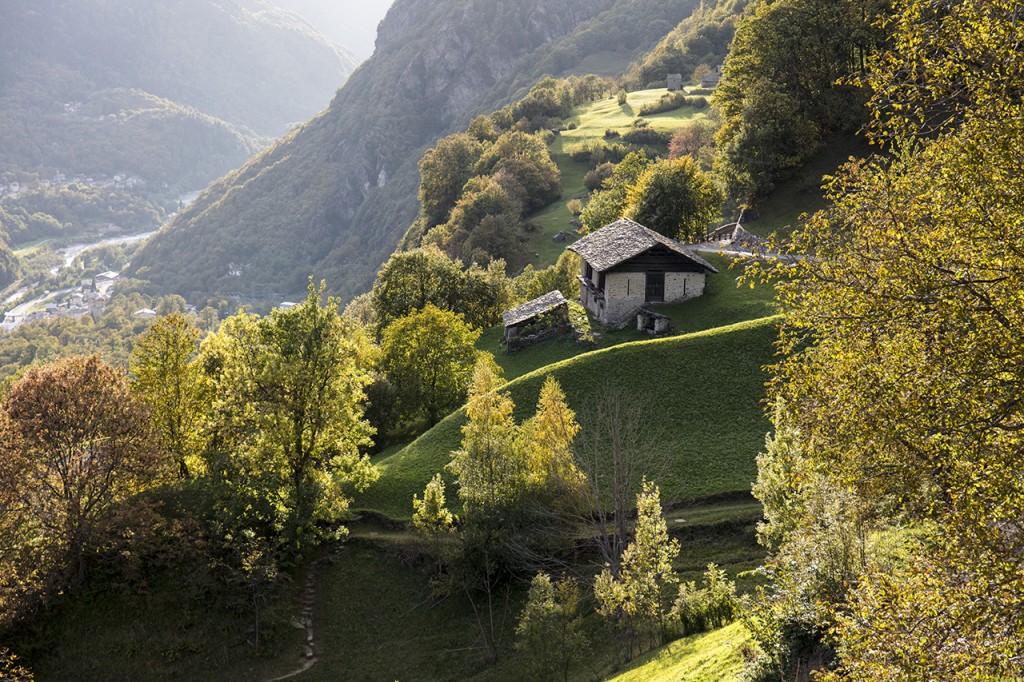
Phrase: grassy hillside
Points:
(708, 657)
(705, 389)
(723, 303)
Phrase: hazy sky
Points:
(350, 23)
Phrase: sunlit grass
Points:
(708, 657)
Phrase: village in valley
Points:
(90, 297)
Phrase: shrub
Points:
(713, 605)
(596, 152)
(575, 206)
(610, 133)
(671, 102)
(595, 178)
(644, 134)
(581, 152)
(613, 153)
(623, 97)
(668, 102)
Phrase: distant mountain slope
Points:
(246, 62)
(333, 199)
(99, 86)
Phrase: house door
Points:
(655, 287)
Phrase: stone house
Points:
(674, 82)
(626, 266)
(542, 318)
(709, 81)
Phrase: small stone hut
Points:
(537, 320)
(626, 266)
(674, 82)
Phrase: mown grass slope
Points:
(704, 390)
(707, 657)
(723, 303)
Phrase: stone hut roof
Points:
(531, 309)
(618, 242)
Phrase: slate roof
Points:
(537, 306)
(612, 244)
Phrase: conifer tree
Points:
(549, 628)
(637, 599)
(490, 465)
(549, 436)
(431, 517)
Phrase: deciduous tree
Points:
(637, 598)
(549, 629)
(526, 159)
(485, 224)
(412, 279)
(444, 170)
(170, 382)
(429, 357)
(904, 372)
(607, 205)
(675, 198)
(290, 395)
(75, 443)
(786, 84)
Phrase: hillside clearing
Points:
(591, 121)
(723, 303)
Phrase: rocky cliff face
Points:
(332, 199)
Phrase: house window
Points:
(600, 281)
(589, 272)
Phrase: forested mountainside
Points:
(702, 38)
(333, 199)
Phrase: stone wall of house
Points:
(624, 293)
(680, 286)
(592, 302)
